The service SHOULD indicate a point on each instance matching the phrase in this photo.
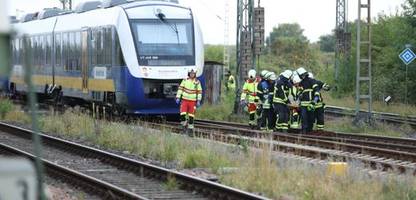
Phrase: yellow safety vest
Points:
(190, 89)
(249, 91)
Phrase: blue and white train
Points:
(126, 55)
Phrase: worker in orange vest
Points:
(249, 97)
(189, 97)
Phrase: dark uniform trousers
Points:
(308, 119)
(267, 116)
(282, 112)
(320, 118)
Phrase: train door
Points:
(85, 60)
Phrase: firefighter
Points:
(249, 97)
(308, 99)
(294, 101)
(189, 97)
(320, 105)
(262, 89)
(270, 116)
(280, 100)
(265, 94)
(230, 84)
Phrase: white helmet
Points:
(252, 74)
(263, 73)
(301, 71)
(296, 79)
(287, 74)
(272, 77)
(310, 75)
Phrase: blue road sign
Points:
(407, 56)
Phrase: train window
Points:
(58, 50)
(78, 50)
(35, 51)
(65, 47)
(167, 43)
(107, 46)
(42, 39)
(119, 60)
(93, 56)
(48, 44)
(17, 51)
(71, 51)
(100, 47)
(13, 51)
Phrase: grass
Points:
(160, 145)
(297, 181)
(222, 111)
(349, 102)
(345, 125)
(257, 172)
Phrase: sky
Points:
(316, 17)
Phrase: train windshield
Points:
(166, 42)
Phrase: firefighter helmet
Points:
(272, 77)
(301, 71)
(296, 79)
(252, 74)
(310, 75)
(191, 70)
(263, 73)
(287, 74)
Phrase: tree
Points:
(214, 53)
(286, 30)
(289, 48)
(327, 43)
(409, 8)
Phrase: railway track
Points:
(380, 116)
(375, 156)
(111, 175)
(394, 143)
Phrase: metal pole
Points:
(357, 78)
(33, 112)
(370, 83)
(405, 95)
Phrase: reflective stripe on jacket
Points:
(190, 89)
(310, 90)
(249, 91)
(281, 92)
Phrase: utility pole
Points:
(363, 78)
(342, 35)
(226, 36)
(244, 46)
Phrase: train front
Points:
(167, 42)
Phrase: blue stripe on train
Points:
(139, 104)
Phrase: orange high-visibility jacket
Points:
(190, 89)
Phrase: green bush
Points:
(5, 107)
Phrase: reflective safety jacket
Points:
(294, 93)
(281, 91)
(320, 102)
(310, 90)
(265, 93)
(190, 89)
(249, 91)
